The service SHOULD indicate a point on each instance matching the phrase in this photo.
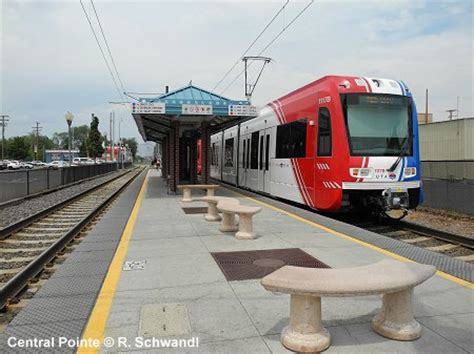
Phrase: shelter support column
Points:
(193, 159)
(205, 142)
(164, 158)
(174, 157)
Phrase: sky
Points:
(51, 64)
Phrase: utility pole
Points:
(36, 130)
(4, 120)
(112, 135)
(457, 107)
(426, 107)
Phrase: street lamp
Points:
(69, 118)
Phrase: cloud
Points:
(51, 63)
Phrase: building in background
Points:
(59, 155)
(119, 153)
(424, 118)
(447, 160)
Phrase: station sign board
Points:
(243, 110)
(196, 109)
(148, 107)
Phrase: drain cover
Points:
(158, 320)
(134, 265)
(195, 210)
(256, 264)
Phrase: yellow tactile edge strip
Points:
(95, 327)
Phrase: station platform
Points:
(160, 260)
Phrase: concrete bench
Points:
(245, 231)
(395, 280)
(212, 212)
(187, 188)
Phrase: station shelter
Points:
(177, 120)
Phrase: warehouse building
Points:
(447, 155)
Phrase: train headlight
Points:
(360, 172)
(409, 171)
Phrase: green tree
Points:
(18, 147)
(94, 142)
(132, 144)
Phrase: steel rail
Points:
(18, 282)
(17, 226)
(442, 235)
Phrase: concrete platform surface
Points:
(181, 293)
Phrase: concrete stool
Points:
(245, 218)
(212, 212)
(187, 190)
(395, 280)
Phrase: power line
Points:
(252, 44)
(101, 50)
(270, 43)
(108, 48)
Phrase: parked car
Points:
(26, 165)
(13, 165)
(58, 164)
(3, 164)
(37, 163)
(82, 161)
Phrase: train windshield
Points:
(378, 125)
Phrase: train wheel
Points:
(397, 214)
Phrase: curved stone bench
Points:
(212, 212)
(395, 280)
(245, 218)
(187, 190)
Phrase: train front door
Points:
(264, 161)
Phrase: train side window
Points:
(254, 152)
(267, 152)
(244, 154)
(261, 152)
(324, 133)
(298, 137)
(291, 140)
(248, 154)
(229, 153)
(213, 154)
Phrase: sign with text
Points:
(196, 109)
(148, 107)
(243, 110)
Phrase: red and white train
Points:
(338, 143)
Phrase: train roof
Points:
(345, 83)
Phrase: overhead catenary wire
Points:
(270, 44)
(108, 47)
(252, 44)
(102, 52)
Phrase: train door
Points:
(264, 161)
(253, 165)
(243, 160)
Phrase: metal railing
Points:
(22, 183)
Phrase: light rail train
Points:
(339, 143)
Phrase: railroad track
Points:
(29, 245)
(456, 246)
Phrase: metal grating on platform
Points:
(195, 210)
(245, 265)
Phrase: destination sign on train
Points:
(381, 100)
(148, 107)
